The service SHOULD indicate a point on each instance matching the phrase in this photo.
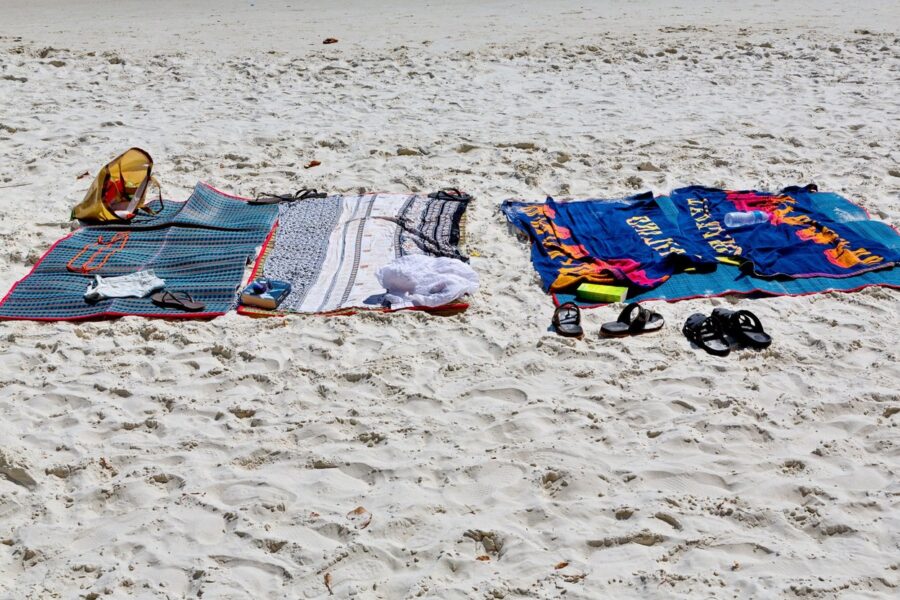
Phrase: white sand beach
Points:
(224, 459)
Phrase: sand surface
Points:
(492, 459)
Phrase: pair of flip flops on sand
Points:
(633, 320)
(718, 332)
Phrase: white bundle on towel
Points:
(133, 285)
(420, 280)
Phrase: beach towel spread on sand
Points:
(806, 233)
(200, 246)
(330, 249)
(628, 241)
(643, 242)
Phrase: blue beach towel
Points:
(633, 241)
(805, 233)
(809, 242)
(200, 247)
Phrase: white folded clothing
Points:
(421, 280)
(134, 285)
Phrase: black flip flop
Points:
(304, 194)
(450, 194)
(567, 320)
(743, 326)
(706, 333)
(180, 300)
(633, 320)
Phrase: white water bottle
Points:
(738, 219)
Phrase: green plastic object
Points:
(595, 292)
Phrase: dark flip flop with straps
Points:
(743, 326)
(567, 320)
(304, 194)
(179, 300)
(450, 194)
(707, 333)
(633, 320)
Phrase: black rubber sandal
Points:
(302, 194)
(707, 334)
(450, 194)
(743, 326)
(271, 199)
(633, 320)
(179, 300)
(309, 194)
(567, 320)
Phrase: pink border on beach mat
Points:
(108, 314)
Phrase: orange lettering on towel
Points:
(576, 263)
(846, 258)
(841, 254)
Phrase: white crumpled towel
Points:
(420, 280)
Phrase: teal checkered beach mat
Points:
(200, 246)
